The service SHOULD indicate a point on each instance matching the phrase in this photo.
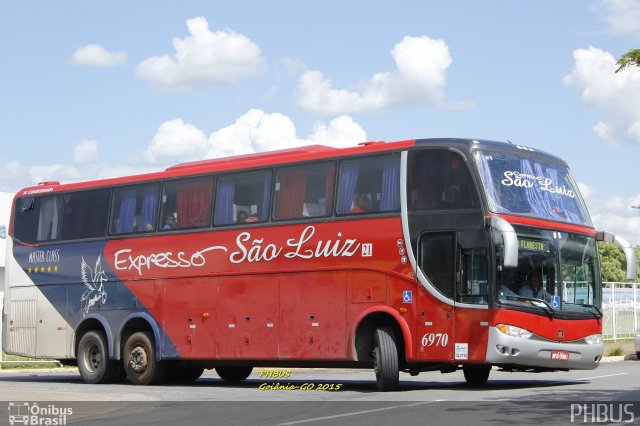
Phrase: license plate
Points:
(560, 355)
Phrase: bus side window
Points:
(474, 279)
(249, 192)
(304, 191)
(135, 209)
(369, 185)
(38, 219)
(78, 206)
(439, 180)
(436, 259)
(186, 203)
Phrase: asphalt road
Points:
(611, 392)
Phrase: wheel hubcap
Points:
(138, 359)
(94, 357)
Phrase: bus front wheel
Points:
(93, 359)
(140, 360)
(476, 375)
(385, 360)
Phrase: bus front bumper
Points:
(518, 352)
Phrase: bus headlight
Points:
(594, 339)
(513, 331)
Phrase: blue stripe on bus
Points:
(78, 282)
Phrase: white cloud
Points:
(342, 132)
(614, 95)
(204, 59)
(257, 131)
(419, 79)
(616, 215)
(622, 16)
(95, 54)
(174, 141)
(85, 152)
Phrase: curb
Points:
(36, 371)
(628, 357)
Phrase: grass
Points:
(615, 352)
(17, 362)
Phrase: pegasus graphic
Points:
(93, 281)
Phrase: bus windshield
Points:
(516, 184)
(550, 264)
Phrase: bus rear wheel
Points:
(93, 359)
(476, 375)
(233, 373)
(140, 360)
(385, 360)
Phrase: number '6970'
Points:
(435, 339)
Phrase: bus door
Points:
(436, 258)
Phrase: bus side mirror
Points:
(629, 254)
(510, 239)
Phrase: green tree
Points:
(631, 58)
(613, 264)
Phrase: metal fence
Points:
(621, 310)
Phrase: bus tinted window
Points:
(38, 219)
(186, 203)
(369, 185)
(135, 209)
(243, 197)
(439, 180)
(304, 191)
(436, 259)
(85, 214)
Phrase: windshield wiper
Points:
(594, 307)
(540, 303)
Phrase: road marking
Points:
(354, 413)
(599, 377)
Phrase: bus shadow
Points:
(334, 385)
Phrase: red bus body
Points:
(303, 292)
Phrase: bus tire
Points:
(385, 360)
(178, 373)
(476, 375)
(93, 359)
(140, 359)
(233, 373)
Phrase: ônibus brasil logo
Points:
(27, 413)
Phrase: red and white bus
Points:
(419, 255)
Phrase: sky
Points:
(100, 89)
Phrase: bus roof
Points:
(224, 164)
(273, 158)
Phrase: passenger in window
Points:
(243, 216)
(169, 222)
(361, 204)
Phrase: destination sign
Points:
(533, 245)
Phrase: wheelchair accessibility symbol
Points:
(407, 296)
(555, 302)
